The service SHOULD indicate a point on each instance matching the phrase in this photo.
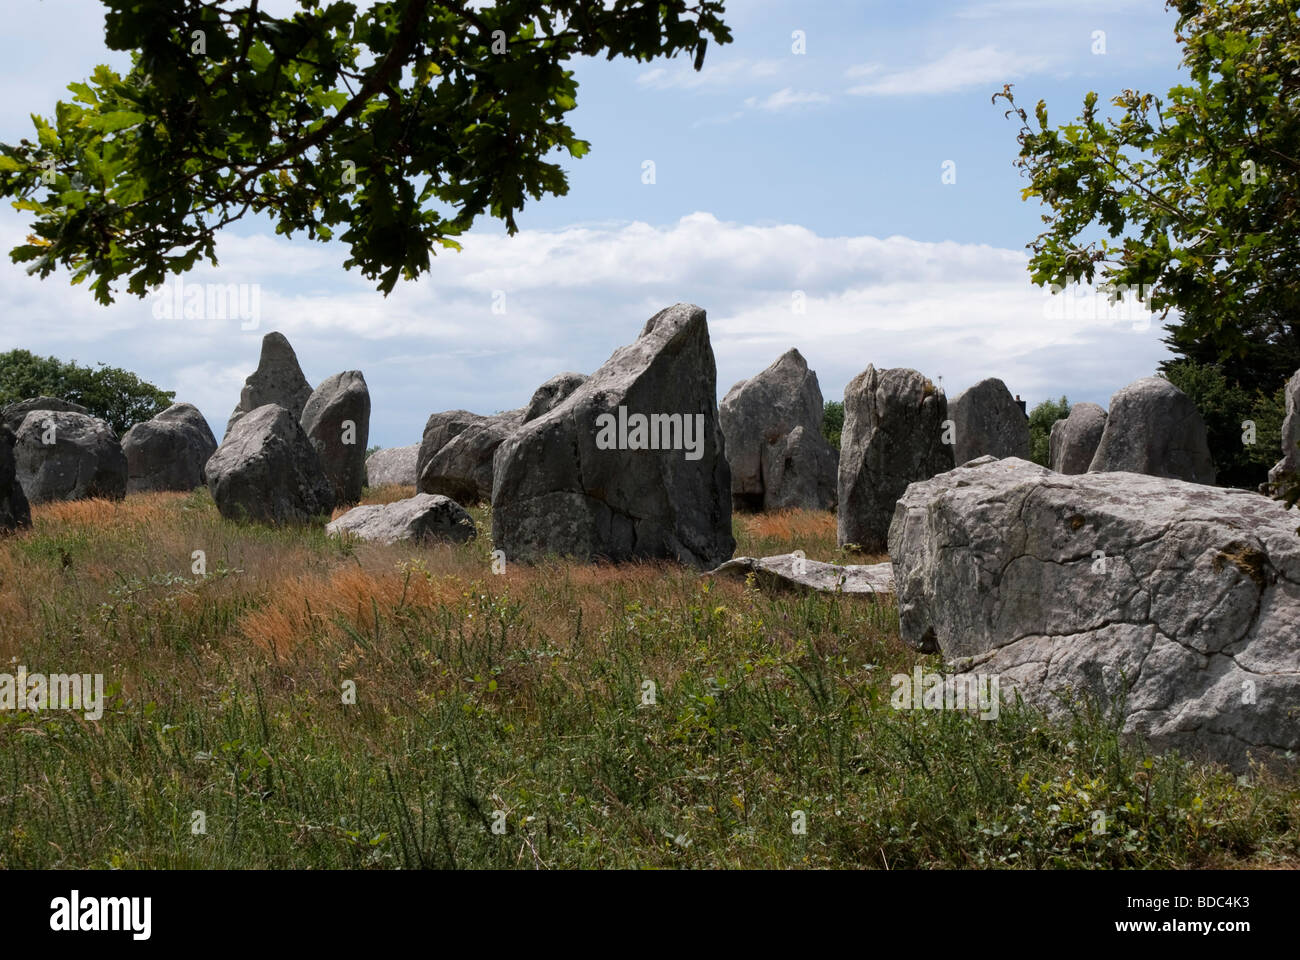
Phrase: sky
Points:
(836, 180)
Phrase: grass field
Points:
(520, 700)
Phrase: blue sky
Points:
(780, 178)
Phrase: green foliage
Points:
(395, 127)
(111, 393)
(1041, 419)
(833, 422)
(1226, 407)
(1195, 193)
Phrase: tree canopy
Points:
(111, 393)
(395, 128)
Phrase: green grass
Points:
(525, 694)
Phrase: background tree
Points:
(833, 422)
(397, 126)
(1041, 419)
(111, 393)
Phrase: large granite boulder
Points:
(12, 416)
(168, 452)
(1290, 462)
(61, 455)
(423, 517)
(1154, 428)
(552, 393)
(14, 511)
(337, 420)
(988, 421)
(393, 466)
(1179, 600)
(631, 465)
(278, 379)
(1073, 441)
(462, 469)
(775, 448)
(893, 435)
(267, 470)
(439, 430)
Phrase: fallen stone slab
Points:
(789, 570)
(423, 517)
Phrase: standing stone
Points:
(552, 393)
(337, 419)
(989, 422)
(423, 517)
(893, 435)
(462, 469)
(1074, 440)
(61, 455)
(775, 448)
(168, 452)
(278, 379)
(12, 415)
(440, 430)
(597, 477)
(393, 466)
(1178, 603)
(1290, 462)
(14, 511)
(1154, 428)
(267, 470)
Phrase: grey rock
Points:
(1290, 462)
(278, 379)
(1074, 440)
(14, 510)
(393, 466)
(462, 469)
(82, 459)
(893, 435)
(168, 452)
(267, 470)
(988, 422)
(787, 570)
(562, 488)
(12, 415)
(336, 418)
(1180, 600)
(772, 468)
(422, 517)
(1154, 428)
(439, 430)
(552, 393)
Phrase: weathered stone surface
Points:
(552, 393)
(393, 466)
(14, 511)
(337, 420)
(267, 470)
(12, 415)
(422, 517)
(771, 467)
(278, 379)
(1154, 428)
(562, 487)
(1188, 594)
(168, 452)
(1074, 440)
(81, 459)
(462, 469)
(439, 430)
(988, 422)
(892, 436)
(1290, 462)
(789, 571)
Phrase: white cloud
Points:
(786, 98)
(955, 70)
(571, 296)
